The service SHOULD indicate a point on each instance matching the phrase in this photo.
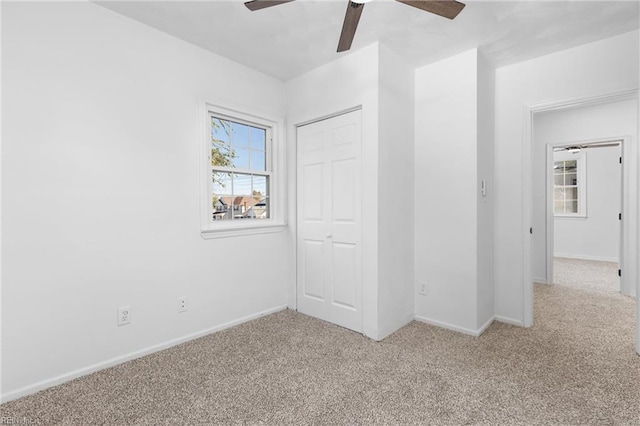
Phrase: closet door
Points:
(329, 266)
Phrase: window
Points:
(569, 195)
(239, 174)
(240, 170)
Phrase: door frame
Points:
(630, 158)
(550, 218)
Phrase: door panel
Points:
(345, 275)
(313, 271)
(312, 178)
(329, 220)
(343, 190)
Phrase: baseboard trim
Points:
(463, 330)
(36, 387)
(581, 257)
(539, 280)
(510, 321)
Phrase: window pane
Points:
(242, 201)
(261, 197)
(571, 193)
(221, 197)
(570, 166)
(241, 184)
(558, 207)
(240, 135)
(571, 179)
(257, 139)
(571, 207)
(258, 160)
(221, 183)
(220, 129)
(221, 152)
(241, 159)
(558, 180)
(558, 193)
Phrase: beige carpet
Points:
(589, 275)
(576, 366)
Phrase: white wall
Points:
(101, 198)
(348, 82)
(597, 236)
(396, 193)
(606, 66)
(446, 202)
(486, 136)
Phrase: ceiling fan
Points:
(446, 8)
(577, 148)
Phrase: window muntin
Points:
(240, 170)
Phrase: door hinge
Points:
(620, 160)
(619, 272)
(619, 216)
(531, 230)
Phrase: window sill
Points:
(225, 231)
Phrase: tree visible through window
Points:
(240, 170)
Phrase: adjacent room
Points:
(328, 212)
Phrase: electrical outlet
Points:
(183, 304)
(423, 288)
(124, 315)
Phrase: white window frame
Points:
(581, 174)
(275, 157)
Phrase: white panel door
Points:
(329, 226)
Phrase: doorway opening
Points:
(537, 260)
(584, 215)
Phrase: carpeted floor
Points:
(577, 365)
(584, 274)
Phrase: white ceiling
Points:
(287, 40)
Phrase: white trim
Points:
(540, 280)
(527, 217)
(584, 101)
(582, 257)
(463, 330)
(44, 384)
(249, 229)
(509, 321)
(328, 116)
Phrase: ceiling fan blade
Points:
(261, 4)
(447, 8)
(351, 19)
